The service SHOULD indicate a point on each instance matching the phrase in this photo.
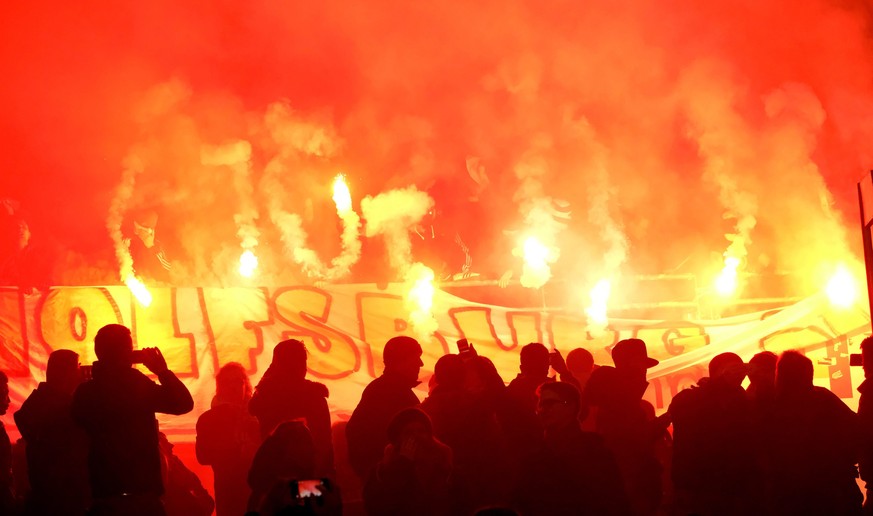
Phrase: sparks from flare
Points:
(842, 291)
(248, 263)
(139, 290)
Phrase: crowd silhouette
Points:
(581, 442)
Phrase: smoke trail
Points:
(350, 239)
(725, 143)
(297, 139)
(123, 194)
(392, 214)
(237, 156)
(539, 246)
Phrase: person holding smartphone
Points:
(116, 408)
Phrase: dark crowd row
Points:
(581, 442)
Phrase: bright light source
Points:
(139, 290)
(248, 262)
(597, 310)
(726, 283)
(842, 289)
(341, 195)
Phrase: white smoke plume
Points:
(393, 214)
(237, 157)
(132, 167)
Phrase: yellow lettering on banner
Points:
(524, 328)
(306, 310)
(156, 326)
(378, 321)
(668, 339)
(14, 352)
(234, 318)
(68, 318)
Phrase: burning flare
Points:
(341, 195)
(726, 283)
(419, 300)
(139, 290)
(842, 289)
(248, 263)
(596, 311)
(537, 257)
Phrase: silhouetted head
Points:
(409, 423)
(867, 355)
(297, 449)
(62, 370)
(727, 369)
(558, 404)
(534, 360)
(482, 376)
(794, 372)
(4, 393)
(630, 355)
(762, 369)
(113, 346)
(450, 372)
(232, 385)
(289, 356)
(580, 362)
(144, 224)
(402, 357)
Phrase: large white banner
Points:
(345, 328)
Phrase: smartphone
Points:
(856, 360)
(138, 356)
(309, 488)
(463, 346)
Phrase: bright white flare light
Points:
(597, 310)
(726, 283)
(248, 262)
(842, 289)
(139, 290)
(341, 195)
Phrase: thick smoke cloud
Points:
(660, 126)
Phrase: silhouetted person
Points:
(149, 260)
(56, 448)
(812, 441)
(713, 444)
(26, 265)
(865, 419)
(381, 400)
(415, 474)
(283, 476)
(573, 472)
(626, 422)
(284, 394)
(117, 410)
(580, 363)
(762, 380)
(227, 439)
(184, 494)
(7, 498)
(469, 426)
(534, 364)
